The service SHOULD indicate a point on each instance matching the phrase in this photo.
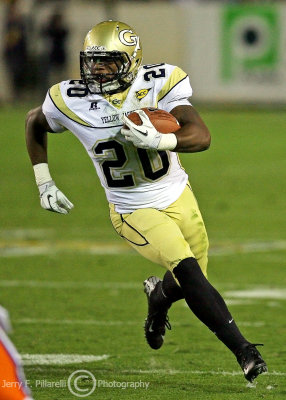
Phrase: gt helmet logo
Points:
(128, 38)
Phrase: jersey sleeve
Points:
(52, 115)
(176, 91)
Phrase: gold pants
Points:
(168, 236)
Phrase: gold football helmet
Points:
(111, 57)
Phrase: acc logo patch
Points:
(142, 93)
(95, 48)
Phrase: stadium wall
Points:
(233, 53)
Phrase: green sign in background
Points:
(247, 27)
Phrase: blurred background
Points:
(72, 286)
(234, 51)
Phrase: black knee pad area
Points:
(188, 268)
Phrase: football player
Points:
(12, 379)
(152, 205)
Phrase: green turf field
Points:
(74, 289)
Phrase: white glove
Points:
(52, 199)
(146, 135)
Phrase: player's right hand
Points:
(144, 136)
(52, 199)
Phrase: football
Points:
(163, 121)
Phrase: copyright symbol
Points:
(74, 383)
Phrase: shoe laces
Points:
(167, 323)
(163, 320)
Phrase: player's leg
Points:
(153, 234)
(208, 305)
(203, 299)
(185, 212)
(12, 379)
(157, 237)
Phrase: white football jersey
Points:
(132, 178)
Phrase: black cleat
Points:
(251, 361)
(157, 319)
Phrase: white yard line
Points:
(66, 359)
(25, 233)
(49, 321)
(26, 249)
(247, 247)
(230, 295)
(17, 246)
(190, 372)
(60, 359)
(70, 284)
(239, 302)
(258, 293)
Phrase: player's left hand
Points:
(144, 136)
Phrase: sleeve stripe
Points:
(175, 78)
(57, 99)
(165, 94)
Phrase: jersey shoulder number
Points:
(64, 94)
(154, 71)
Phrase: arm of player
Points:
(193, 136)
(146, 135)
(51, 198)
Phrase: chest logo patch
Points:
(142, 93)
